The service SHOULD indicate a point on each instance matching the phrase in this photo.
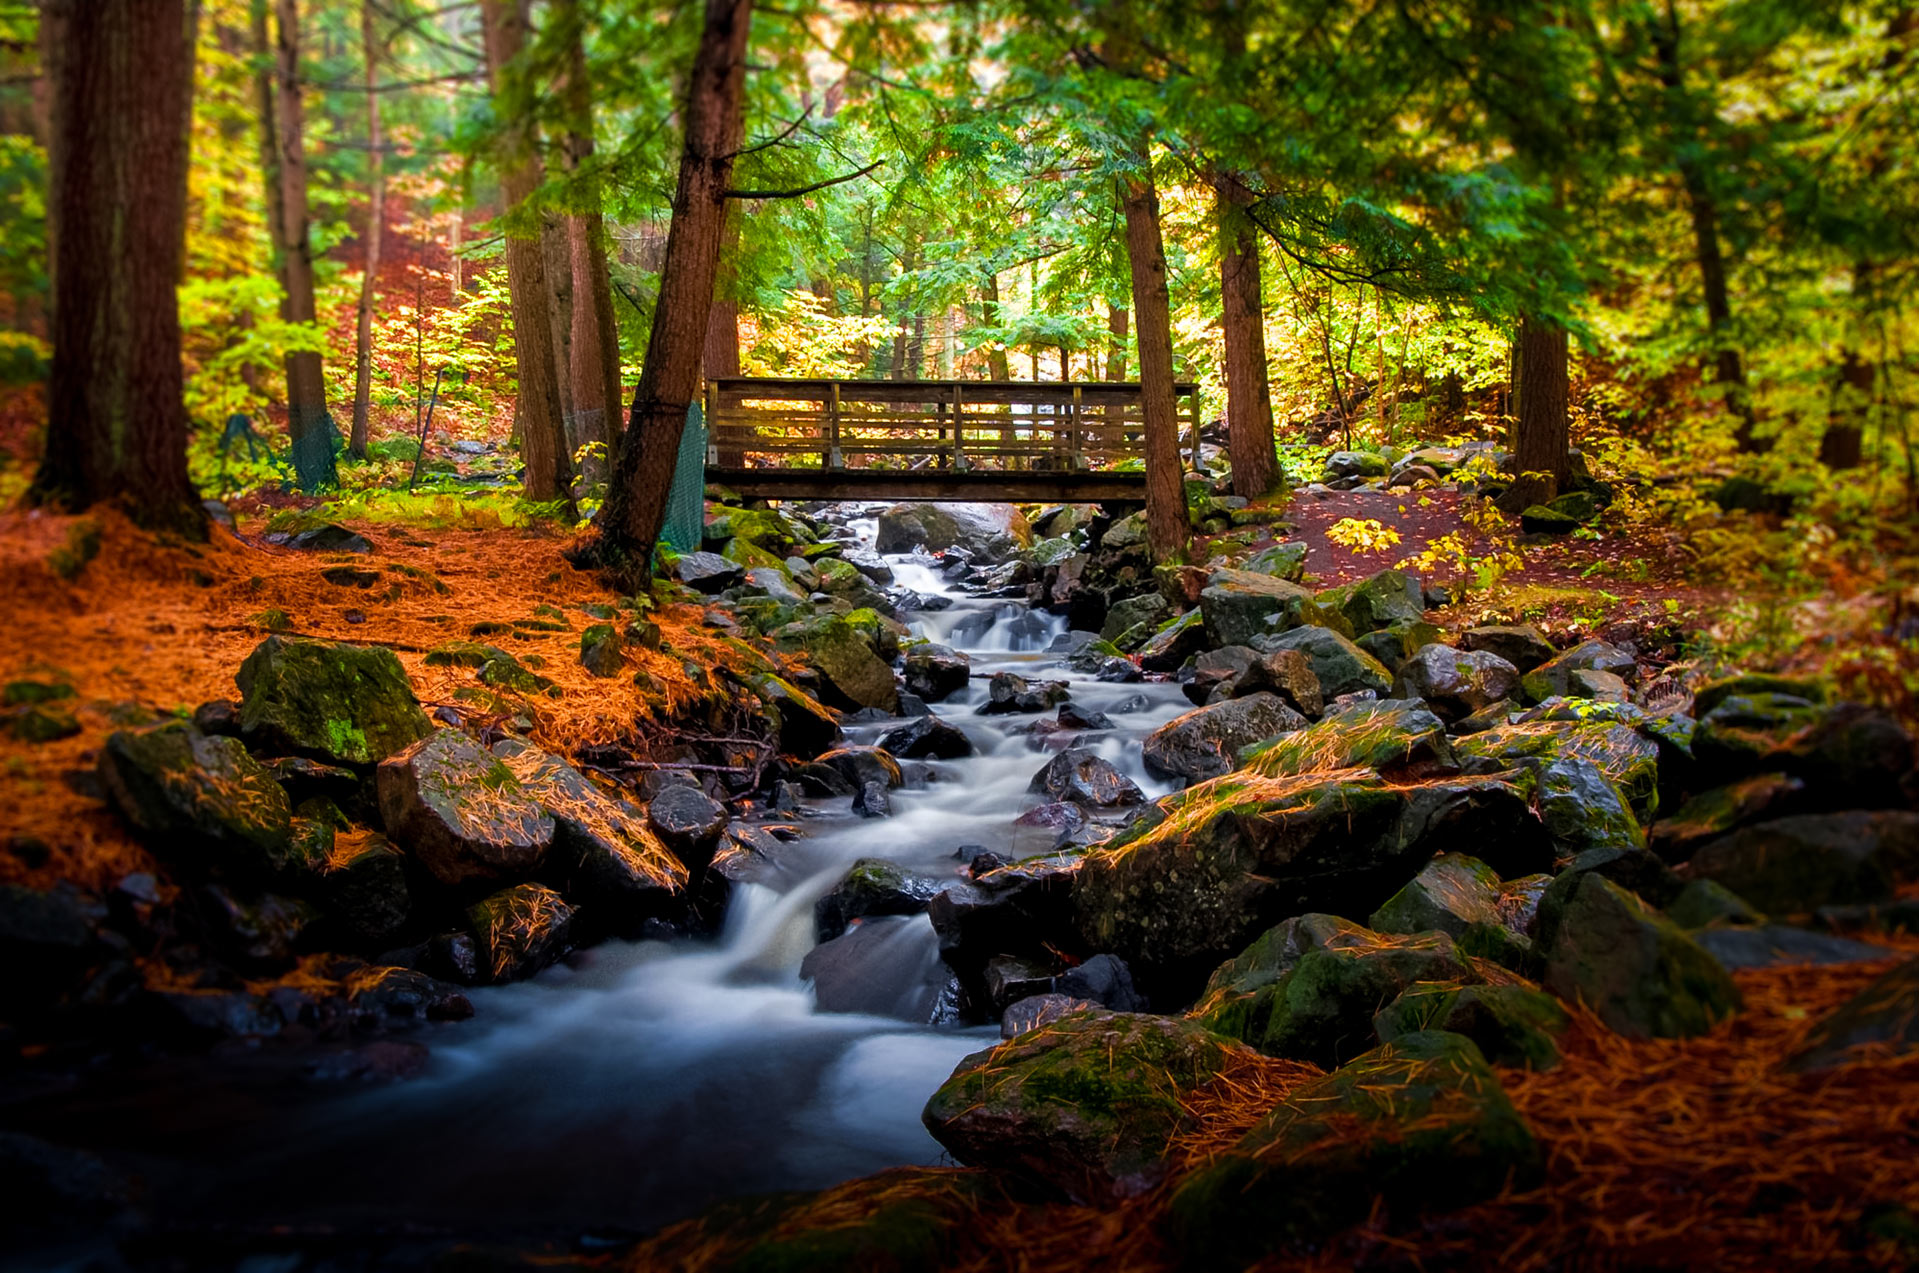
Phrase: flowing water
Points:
(644, 1080)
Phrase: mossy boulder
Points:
(1747, 684)
(936, 672)
(362, 882)
(1393, 644)
(1418, 1124)
(1206, 743)
(1512, 1024)
(1521, 645)
(1149, 609)
(1883, 1017)
(1176, 641)
(1085, 1105)
(200, 795)
(1341, 666)
(803, 726)
(1794, 865)
(1456, 683)
(1380, 735)
(1287, 673)
(1635, 968)
(461, 812)
(1239, 605)
(346, 704)
(1282, 561)
(1450, 894)
(1321, 1008)
(1718, 811)
(871, 886)
(1378, 601)
(1554, 677)
(602, 650)
(854, 674)
(518, 931)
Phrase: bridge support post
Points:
(959, 431)
(833, 458)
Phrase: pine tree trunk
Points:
(670, 376)
(1540, 433)
(1249, 402)
(1842, 445)
(997, 365)
(1116, 321)
(720, 359)
(594, 347)
(537, 418)
(122, 77)
(1166, 526)
(306, 379)
(375, 229)
(557, 255)
(263, 64)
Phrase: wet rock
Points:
(345, 704)
(1180, 639)
(1378, 601)
(1849, 756)
(1714, 813)
(861, 765)
(1389, 735)
(1512, 1025)
(935, 672)
(688, 821)
(872, 801)
(1394, 644)
(926, 738)
(1215, 672)
(1308, 990)
(1770, 945)
(1286, 673)
(1599, 687)
(1624, 754)
(1884, 1018)
(1205, 743)
(362, 883)
(1083, 778)
(1035, 1011)
(382, 998)
(804, 727)
(1010, 978)
(870, 887)
(1450, 894)
(991, 533)
(518, 931)
(1147, 611)
(461, 812)
(1490, 814)
(1798, 864)
(870, 564)
(198, 795)
(882, 966)
(1634, 967)
(855, 676)
(1414, 1125)
(1520, 644)
(1284, 561)
(1018, 909)
(1085, 1105)
(1456, 683)
(707, 572)
(1073, 716)
(1009, 694)
(602, 650)
(1340, 666)
(260, 932)
(1239, 606)
(1555, 676)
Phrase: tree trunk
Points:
(1540, 434)
(1249, 402)
(557, 255)
(1166, 527)
(721, 359)
(537, 417)
(594, 347)
(375, 228)
(263, 63)
(122, 73)
(1729, 368)
(1116, 317)
(670, 376)
(306, 380)
(997, 365)
(1842, 445)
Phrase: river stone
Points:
(880, 967)
(461, 812)
(927, 737)
(1148, 608)
(1884, 1017)
(871, 886)
(1708, 904)
(1342, 667)
(518, 931)
(1283, 561)
(1205, 743)
(347, 704)
(1417, 1124)
(382, 999)
(804, 727)
(992, 533)
(1451, 893)
(1238, 606)
(1773, 945)
(1794, 865)
(1393, 644)
(1742, 733)
(855, 676)
(1320, 1008)
(602, 650)
(1624, 754)
(1081, 777)
(1520, 645)
(1634, 967)
(1355, 464)
(1086, 1104)
(1850, 756)
(1385, 735)
(259, 932)
(1287, 673)
(1554, 677)
(199, 794)
(1178, 640)
(1010, 693)
(861, 765)
(1035, 1011)
(935, 672)
(1746, 684)
(1456, 683)
(1713, 813)
(363, 882)
(872, 801)
(688, 821)
(1512, 1025)
(1491, 815)
(1378, 601)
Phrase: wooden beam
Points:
(936, 485)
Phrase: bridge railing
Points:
(952, 425)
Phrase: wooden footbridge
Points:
(1012, 441)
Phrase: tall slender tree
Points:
(595, 345)
(1166, 525)
(629, 522)
(307, 421)
(538, 419)
(375, 231)
(1249, 400)
(122, 76)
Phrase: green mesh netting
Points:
(686, 502)
(312, 454)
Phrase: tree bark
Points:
(306, 379)
(557, 255)
(721, 357)
(1166, 526)
(630, 521)
(116, 414)
(594, 348)
(375, 229)
(1842, 445)
(537, 418)
(1540, 431)
(269, 145)
(1249, 401)
(1116, 322)
(998, 367)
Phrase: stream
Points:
(642, 1081)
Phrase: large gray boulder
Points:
(1456, 682)
(1795, 865)
(1341, 666)
(992, 533)
(1634, 967)
(1205, 743)
(1239, 605)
